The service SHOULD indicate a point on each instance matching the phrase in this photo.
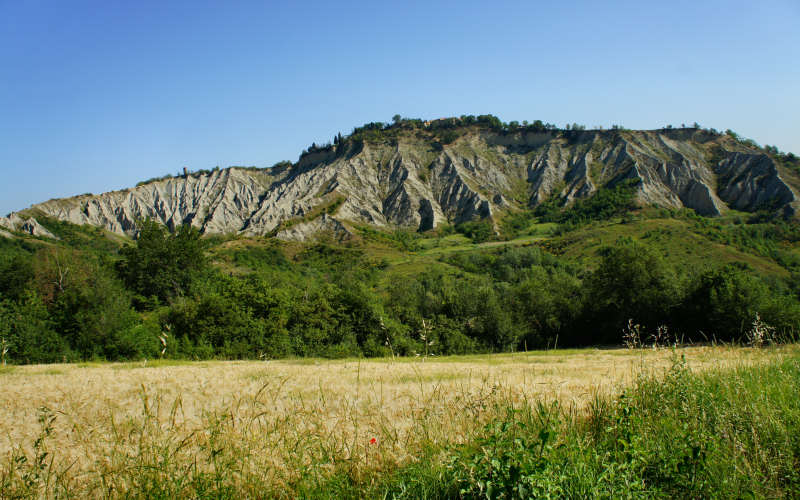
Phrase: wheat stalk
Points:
(163, 339)
(3, 350)
(760, 333)
(423, 336)
(632, 335)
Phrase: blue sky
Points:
(98, 95)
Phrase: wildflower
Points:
(373, 441)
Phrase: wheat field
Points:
(99, 426)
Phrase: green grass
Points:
(432, 377)
(153, 363)
(724, 433)
(90, 364)
(674, 238)
(50, 371)
(731, 433)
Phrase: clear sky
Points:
(98, 95)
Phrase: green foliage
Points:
(726, 434)
(547, 305)
(325, 257)
(86, 238)
(723, 303)
(406, 240)
(515, 224)
(401, 239)
(16, 273)
(26, 327)
(261, 258)
(216, 324)
(154, 179)
(632, 282)
(330, 207)
(440, 132)
(509, 264)
(91, 313)
(478, 231)
(511, 298)
(772, 239)
(448, 136)
(604, 204)
(282, 164)
(134, 342)
(386, 294)
(160, 264)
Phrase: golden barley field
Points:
(99, 425)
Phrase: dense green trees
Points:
(162, 265)
(160, 296)
(16, 271)
(608, 202)
(631, 282)
(28, 332)
(478, 231)
(59, 304)
(723, 302)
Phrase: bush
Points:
(604, 204)
(139, 341)
(631, 282)
(162, 265)
(29, 334)
(726, 434)
(478, 231)
(723, 302)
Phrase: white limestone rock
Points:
(415, 184)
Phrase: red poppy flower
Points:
(373, 441)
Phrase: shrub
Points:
(724, 301)
(725, 434)
(478, 231)
(604, 204)
(631, 282)
(162, 265)
(28, 332)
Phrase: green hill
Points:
(91, 294)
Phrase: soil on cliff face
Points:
(413, 181)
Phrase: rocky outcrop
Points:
(751, 182)
(321, 227)
(414, 182)
(27, 225)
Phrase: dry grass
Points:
(275, 420)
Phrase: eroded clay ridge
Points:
(414, 182)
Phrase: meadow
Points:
(339, 428)
(405, 365)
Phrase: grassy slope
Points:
(676, 240)
(679, 245)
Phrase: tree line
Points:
(161, 296)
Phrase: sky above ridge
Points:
(98, 95)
